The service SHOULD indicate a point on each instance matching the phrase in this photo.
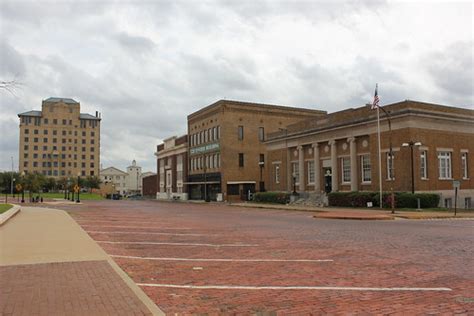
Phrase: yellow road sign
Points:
(76, 188)
(18, 187)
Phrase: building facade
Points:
(134, 178)
(171, 163)
(59, 140)
(227, 149)
(339, 152)
(116, 177)
(150, 185)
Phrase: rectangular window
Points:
(311, 172)
(45, 121)
(26, 139)
(261, 134)
(346, 169)
(295, 172)
(241, 132)
(35, 139)
(45, 140)
(45, 147)
(218, 131)
(35, 132)
(241, 159)
(55, 121)
(464, 166)
(64, 122)
(424, 164)
(27, 131)
(277, 173)
(366, 170)
(390, 166)
(444, 165)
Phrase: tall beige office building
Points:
(59, 140)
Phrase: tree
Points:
(50, 184)
(9, 85)
(92, 182)
(33, 182)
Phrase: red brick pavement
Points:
(66, 288)
(366, 254)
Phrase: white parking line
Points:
(319, 288)
(222, 259)
(140, 227)
(174, 244)
(146, 233)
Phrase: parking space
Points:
(198, 258)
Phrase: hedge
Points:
(402, 199)
(272, 197)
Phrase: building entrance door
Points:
(327, 180)
(169, 182)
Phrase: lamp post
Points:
(78, 187)
(23, 187)
(65, 188)
(411, 144)
(72, 191)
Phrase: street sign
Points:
(76, 188)
(18, 187)
(456, 184)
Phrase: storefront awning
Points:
(202, 182)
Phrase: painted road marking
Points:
(222, 259)
(140, 227)
(174, 244)
(320, 288)
(147, 233)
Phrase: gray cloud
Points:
(11, 65)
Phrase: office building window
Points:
(36, 132)
(27, 131)
(366, 169)
(45, 121)
(464, 166)
(218, 131)
(35, 139)
(241, 159)
(55, 121)
(295, 172)
(390, 167)
(346, 169)
(277, 173)
(311, 179)
(26, 139)
(261, 134)
(241, 132)
(424, 164)
(444, 165)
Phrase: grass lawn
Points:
(83, 196)
(5, 207)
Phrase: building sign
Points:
(204, 149)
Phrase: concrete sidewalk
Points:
(50, 266)
(357, 213)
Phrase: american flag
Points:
(375, 104)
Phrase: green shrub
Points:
(272, 197)
(402, 199)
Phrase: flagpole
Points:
(380, 156)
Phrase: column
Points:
(289, 177)
(353, 151)
(334, 178)
(301, 167)
(317, 169)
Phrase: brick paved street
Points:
(244, 260)
(66, 288)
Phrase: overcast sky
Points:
(147, 64)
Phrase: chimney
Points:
(96, 113)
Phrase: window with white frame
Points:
(390, 166)
(311, 172)
(295, 172)
(424, 164)
(444, 165)
(346, 169)
(366, 170)
(464, 166)
(277, 173)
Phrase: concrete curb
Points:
(278, 207)
(9, 214)
(355, 217)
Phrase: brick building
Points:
(171, 163)
(226, 146)
(59, 140)
(150, 185)
(339, 152)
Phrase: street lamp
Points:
(72, 191)
(65, 188)
(411, 144)
(78, 187)
(23, 187)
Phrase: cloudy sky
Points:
(147, 64)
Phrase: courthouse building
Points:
(227, 149)
(59, 140)
(339, 151)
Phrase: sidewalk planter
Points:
(4, 217)
(402, 199)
